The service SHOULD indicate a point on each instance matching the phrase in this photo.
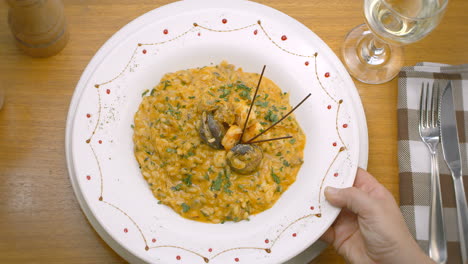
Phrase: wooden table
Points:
(40, 219)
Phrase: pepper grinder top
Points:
(38, 26)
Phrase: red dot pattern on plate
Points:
(255, 32)
(312, 208)
(144, 51)
(153, 240)
(125, 230)
(236, 259)
(345, 125)
(88, 177)
(88, 115)
(199, 34)
(334, 144)
(284, 37)
(108, 91)
(210, 249)
(294, 235)
(178, 257)
(165, 31)
(329, 106)
(327, 74)
(100, 141)
(224, 21)
(306, 63)
(267, 241)
(336, 174)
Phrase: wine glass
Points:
(373, 53)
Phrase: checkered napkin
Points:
(413, 155)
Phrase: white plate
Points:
(99, 147)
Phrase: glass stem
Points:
(377, 47)
(373, 51)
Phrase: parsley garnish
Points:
(216, 184)
(188, 180)
(275, 177)
(171, 150)
(262, 104)
(185, 207)
(177, 187)
(144, 93)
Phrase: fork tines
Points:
(429, 106)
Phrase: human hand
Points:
(370, 228)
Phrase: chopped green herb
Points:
(190, 153)
(177, 187)
(188, 180)
(275, 177)
(174, 138)
(283, 108)
(185, 207)
(266, 96)
(191, 97)
(144, 93)
(159, 202)
(286, 163)
(152, 91)
(171, 150)
(224, 93)
(206, 176)
(216, 184)
(261, 104)
(166, 84)
(272, 117)
(244, 94)
(147, 158)
(292, 140)
(243, 87)
(132, 126)
(278, 154)
(210, 93)
(278, 188)
(237, 99)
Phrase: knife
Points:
(451, 150)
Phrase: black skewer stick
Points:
(292, 110)
(253, 100)
(266, 140)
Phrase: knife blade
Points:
(451, 150)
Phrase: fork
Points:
(429, 130)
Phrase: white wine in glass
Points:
(373, 53)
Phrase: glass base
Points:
(368, 59)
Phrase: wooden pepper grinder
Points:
(38, 26)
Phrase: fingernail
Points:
(331, 190)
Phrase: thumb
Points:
(351, 198)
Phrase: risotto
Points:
(186, 173)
